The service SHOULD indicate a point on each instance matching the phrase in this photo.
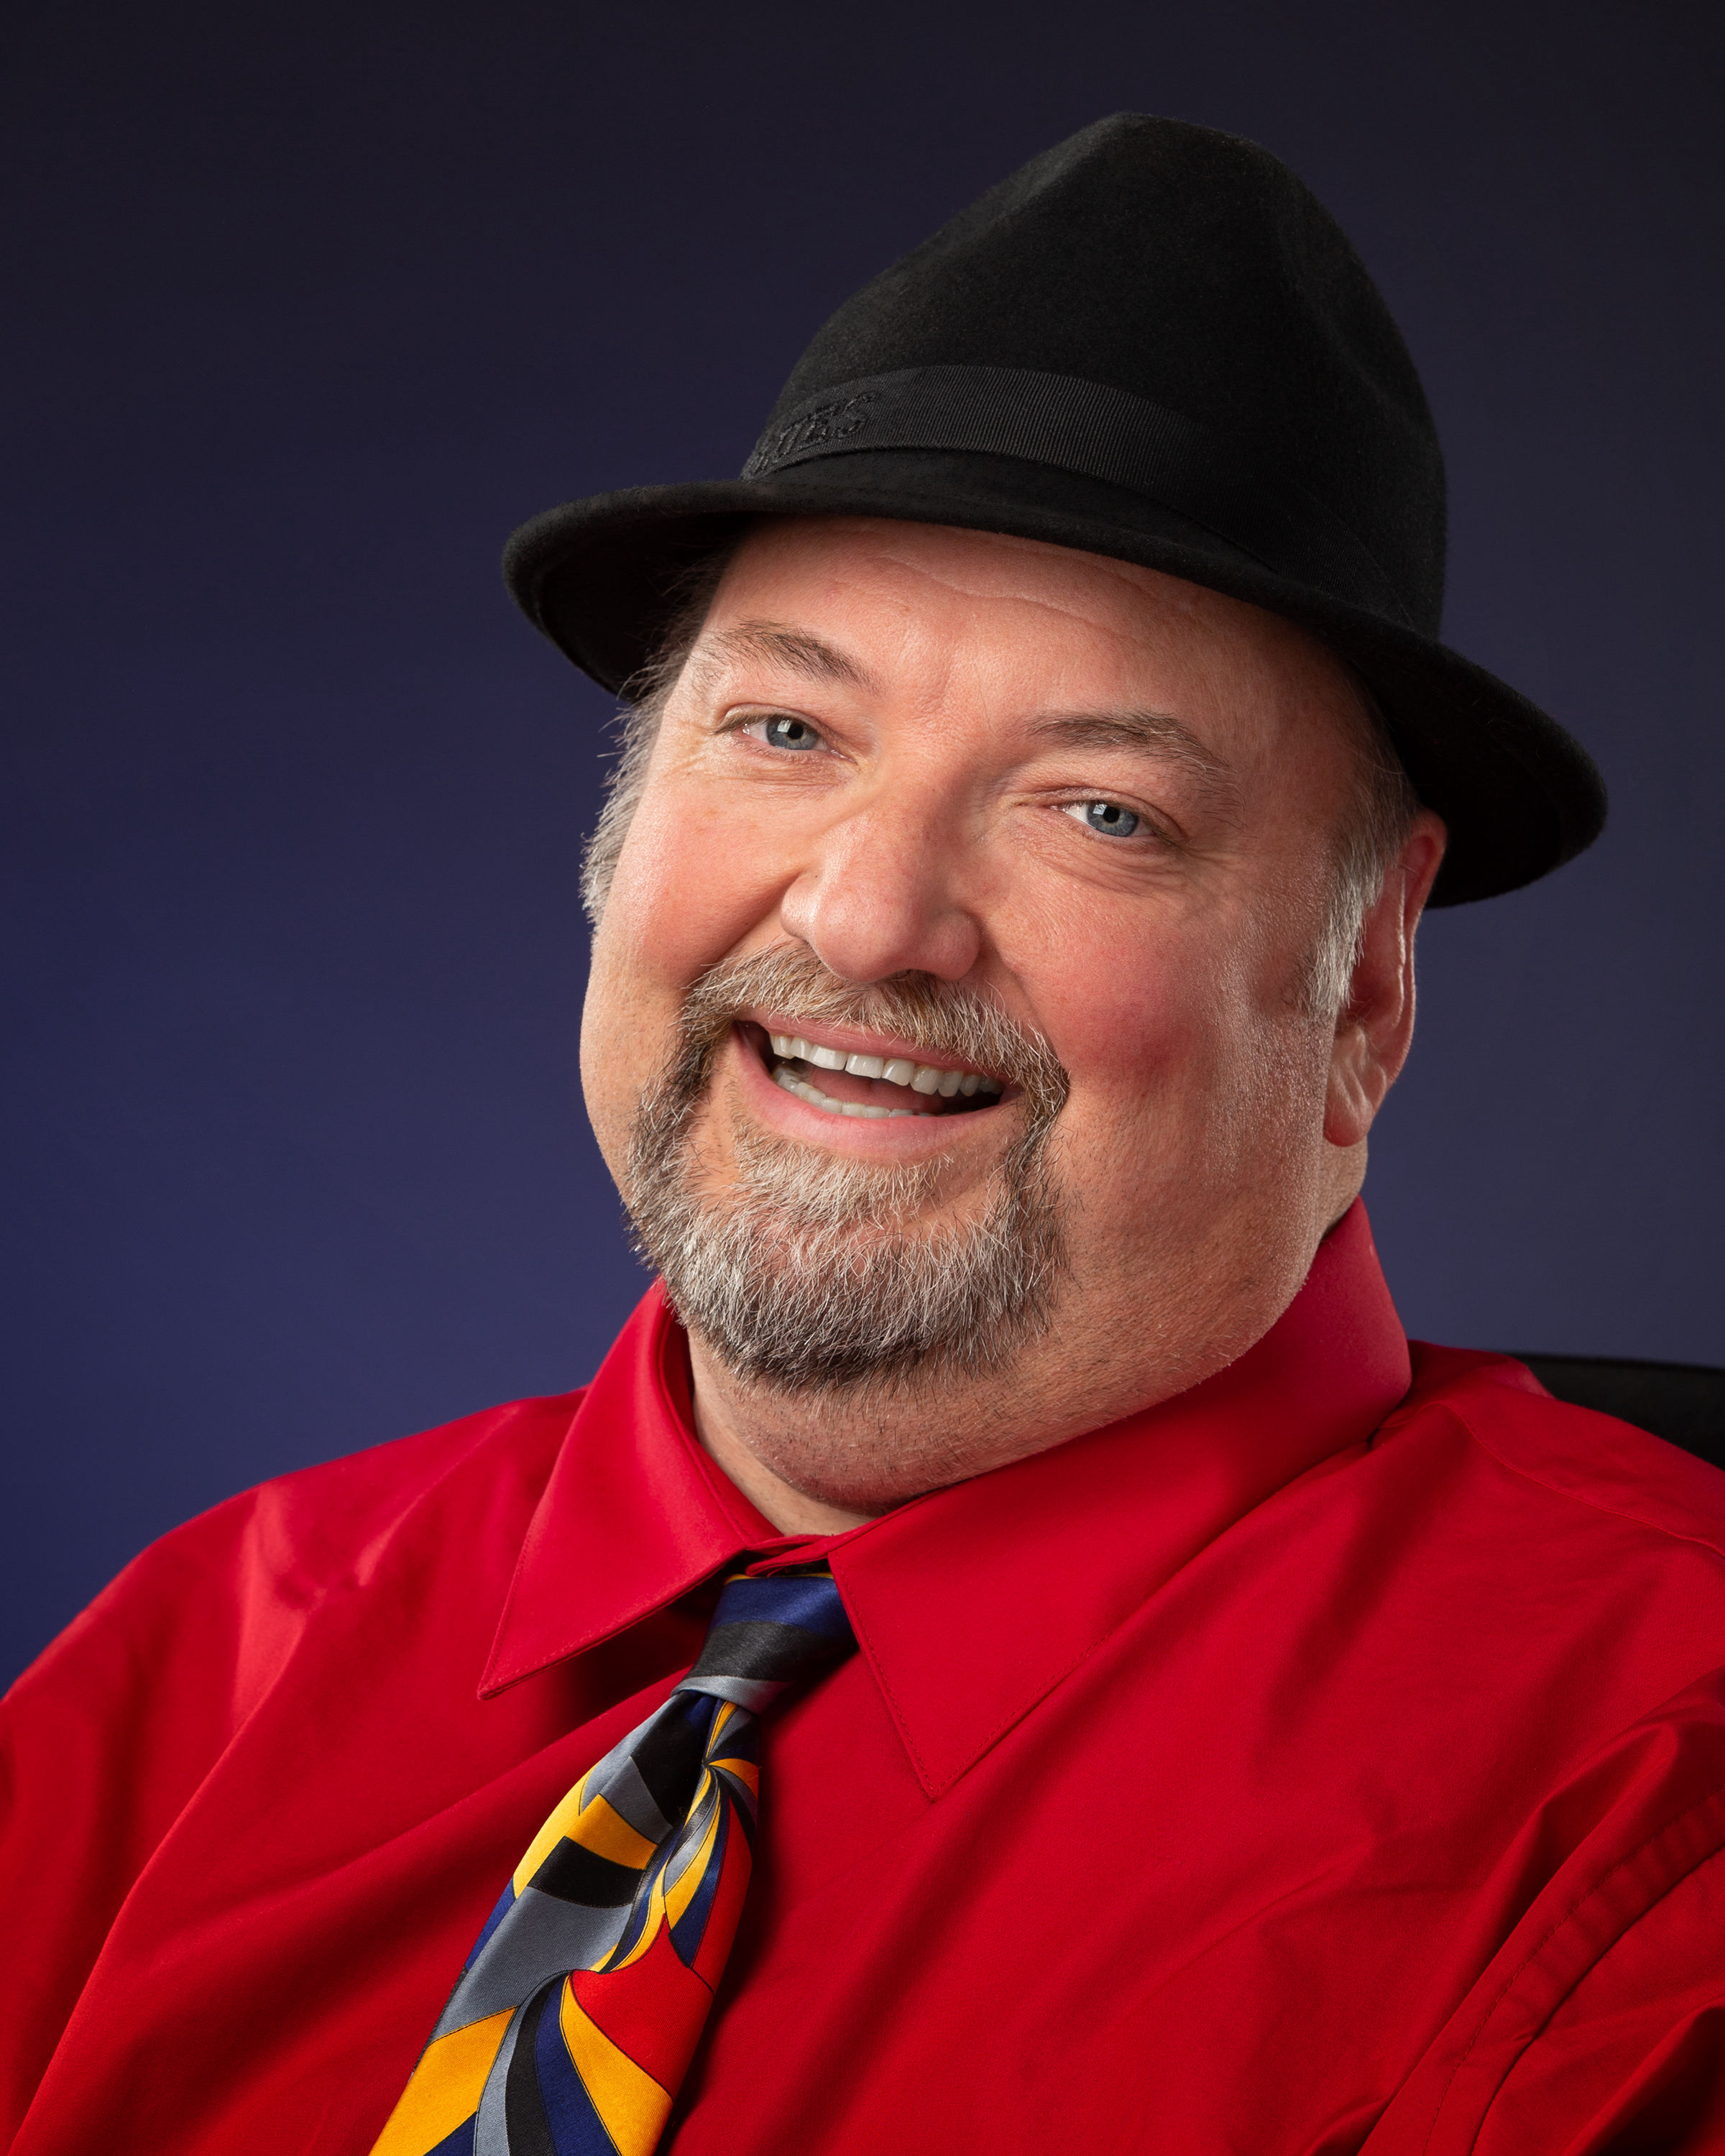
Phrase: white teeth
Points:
(925, 1078)
(816, 1099)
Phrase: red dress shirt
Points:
(1331, 1759)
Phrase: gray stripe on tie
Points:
(540, 1938)
(754, 1693)
(688, 1844)
(490, 2133)
(617, 1780)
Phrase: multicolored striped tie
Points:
(574, 2021)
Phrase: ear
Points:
(1375, 1025)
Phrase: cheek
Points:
(686, 893)
(1127, 1012)
(695, 883)
(1178, 1049)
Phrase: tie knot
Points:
(767, 1633)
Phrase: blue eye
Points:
(1106, 817)
(787, 733)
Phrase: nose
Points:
(881, 896)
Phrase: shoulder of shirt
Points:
(1572, 1453)
(299, 1536)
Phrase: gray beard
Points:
(809, 1273)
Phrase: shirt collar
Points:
(1019, 1574)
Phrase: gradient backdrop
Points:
(305, 312)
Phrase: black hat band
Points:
(1103, 433)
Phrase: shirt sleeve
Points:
(1598, 2028)
(1634, 2059)
(103, 1741)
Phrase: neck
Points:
(721, 1419)
(849, 1447)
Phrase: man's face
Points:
(915, 781)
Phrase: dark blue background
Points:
(305, 313)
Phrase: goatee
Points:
(811, 1274)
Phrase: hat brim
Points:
(1520, 796)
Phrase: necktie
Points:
(574, 2020)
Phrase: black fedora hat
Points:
(1152, 343)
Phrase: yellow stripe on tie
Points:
(596, 1825)
(446, 2089)
(744, 1770)
(631, 2104)
(549, 1835)
(608, 1833)
(678, 1897)
(650, 1928)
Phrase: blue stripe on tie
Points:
(636, 1921)
(458, 2143)
(576, 2127)
(687, 1931)
(505, 1902)
(811, 1603)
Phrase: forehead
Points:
(929, 610)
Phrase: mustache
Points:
(945, 1022)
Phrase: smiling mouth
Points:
(870, 1087)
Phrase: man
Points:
(1181, 1720)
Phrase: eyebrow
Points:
(776, 644)
(1147, 733)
